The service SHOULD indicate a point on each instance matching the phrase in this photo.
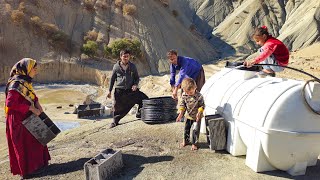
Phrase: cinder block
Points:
(41, 127)
(90, 110)
(217, 132)
(104, 165)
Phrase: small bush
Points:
(36, 21)
(88, 5)
(192, 27)
(107, 50)
(49, 28)
(129, 9)
(102, 5)
(91, 36)
(22, 7)
(118, 45)
(8, 7)
(165, 3)
(118, 3)
(17, 16)
(58, 39)
(175, 13)
(90, 48)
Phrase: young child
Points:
(193, 104)
(273, 51)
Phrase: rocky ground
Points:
(149, 151)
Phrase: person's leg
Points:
(141, 96)
(200, 80)
(195, 135)
(187, 127)
(270, 70)
(121, 107)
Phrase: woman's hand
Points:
(38, 106)
(34, 110)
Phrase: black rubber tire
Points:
(158, 110)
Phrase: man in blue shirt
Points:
(187, 67)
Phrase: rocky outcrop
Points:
(295, 22)
(203, 29)
(57, 71)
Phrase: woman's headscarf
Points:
(20, 80)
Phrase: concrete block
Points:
(41, 127)
(90, 110)
(104, 165)
(217, 132)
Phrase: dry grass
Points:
(165, 3)
(91, 36)
(88, 5)
(8, 7)
(17, 16)
(118, 3)
(129, 9)
(22, 7)
(102, 4)
(49, 28)
(36, 20)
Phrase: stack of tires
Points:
(158, 110)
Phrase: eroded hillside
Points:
(207, 30)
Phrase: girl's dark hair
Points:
(260, 31)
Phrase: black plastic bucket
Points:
(159, 110)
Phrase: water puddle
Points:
(63, 126)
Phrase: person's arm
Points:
(136, 78)
(112, 80)
(172, 75)
(175, 92)
(182, 109)
(200, 109)
(268, 49)
(38, 105)
(13, 104)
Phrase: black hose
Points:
(315, 79)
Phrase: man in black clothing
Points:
(126, 93)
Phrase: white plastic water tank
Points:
(267, 118)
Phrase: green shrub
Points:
(120, 44)
(107, 50)
(90, 48)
